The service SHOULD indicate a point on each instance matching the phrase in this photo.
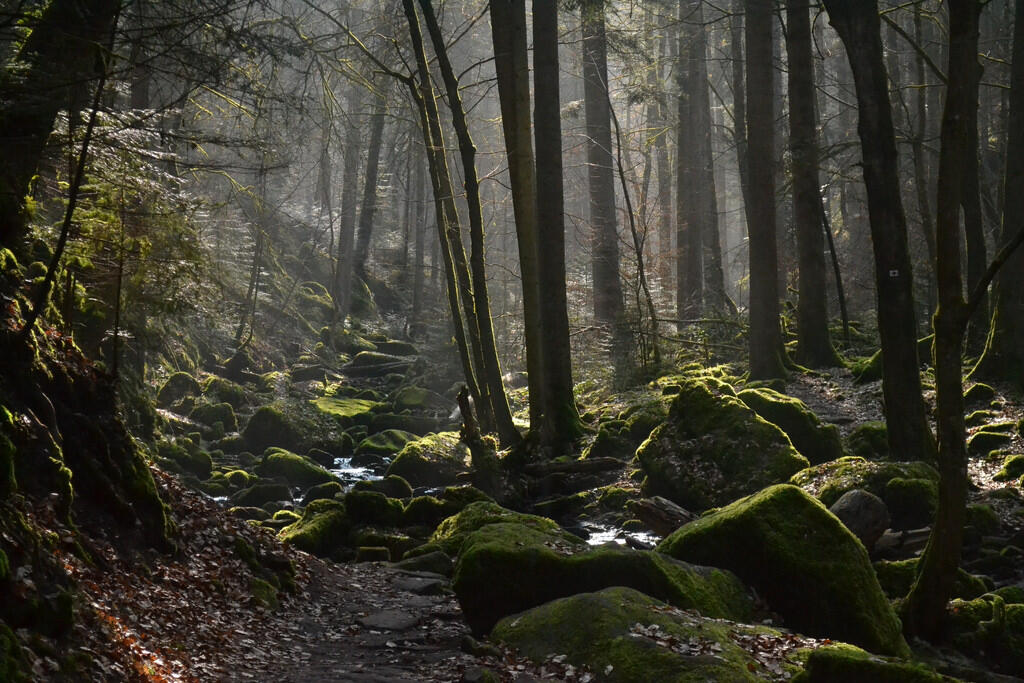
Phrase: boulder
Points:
(843, 663)
(714, 449)
(298, 470)
(870, 441)
(224, 391)
(385, 444)
(375, 364)
(985, 440)
(178, 386)
(391, 486)
(1013, 468)
(211, 413)
(327, 491)
(371, 507)
(802, 560)
(322, 530)
(911, 502)
(396, 347)
(816, 441)
(830, 480)
(348, 411)
(507, 567)
(620, 437)
(863, 513)
(625, 636)
(269, 426)
(433, 460)
(452, 532)
(897, 576)
(989, 627)
(260, 494)
(418, 398)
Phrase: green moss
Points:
(981, 442)
(297, 470)
(371, 507)
(268, 427)
(263, 593)
(912, 502)
(373, 554)
(896, 578)
(505, 568)
(1013, 468)
(425, 511)
(211, 413)
(348, 410)
(322, 529)
(979, 394)
(829, 481)
(433, 460)
(191, 460)
(8, 481)
(625, 636)
(238, 479)
(816, 441)
(870, 441)
(5, 566)
(452, 532)
(225, 391)
(983, 519)
(979, 417)
(13, 664)
(178, 386)
(346, 341)
(418, 398)
(782, 542)
(989, 627)
(714, 449)
(286, 515)
(386, 443)
(396, 543)
(842, 663)
(867, 369)
(260, 494)
(327, 491)
(391, 486)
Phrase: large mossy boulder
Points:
(802, 560)
(430, 511)
(869, 440)
(178, 386)
(897, 576)
(297, 470)
(371, 507)
(843, 663)
(224, 391)
(189, 460)
(506, 567)
(625, 636)
(375, 364)
(348, 411)
(385, 444)
(620, 437)
(210, 414)
(452, 532)
(713, 449)
(816, 441)
(433, 460)
(270, 426)
(261, 493)
(323, 529)
(420, 399)
(989, 627)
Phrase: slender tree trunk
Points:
(508, 29)
(600, 166)
(739, 105)
(562, 423)
(343, 285)
(420, 228)
(1004, 350)
(925, 608)
(765, 336)
(689, 211)
(814, 347)
(921, 175)
(909, 435)
(369, 209)
(974, 229)
(664, 171)
(502, 415)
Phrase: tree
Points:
(859, 28)
(689, 209)
(600, 165)
(814, 347)
(765, 336)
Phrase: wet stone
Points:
(391, 620)
(420, 585)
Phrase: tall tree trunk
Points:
(664, 170)
(562, 423)
(765, 336)
(600, 166)
(502, 415)
(508, 29)
(689, 211)
(345, 259)
(974, 229)
(61, 53)
(739, 104)
(921, 176)
(369, 207)
(814, 347)
(420, 228)
(1004, 350)
(909, 435)
(925, 608)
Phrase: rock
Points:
(714, 449)
(390, 620)
(830, 480)
(348, 411)
(257, 514)
(814, 440)
(190, 459)
(984, 441)
(306, 373)
(375, 364)
(452, 532)
(418, 398)
(625, 636)
(979, 395)
(178, 386)
(897, 576)
(842, 663)
(268, 427)
(385, 444)
(391, 486)
(372, 553)
(434, 460)
(322, 529)
(661, 515)
(263, 593)
(507, 567)
(863, 513)
(225, 391)
(212, 413)
(395, 347)
(420, 585)
(1013, 468)
(416, 424)
(988, 626)
(801, 560)
(397, 544)
(620, 437)
(869, 441)
(435, 562)
(430, 510)
(329, 490)
(321, 457)
(911, 502)
(370, 507)
(297, 470)
(261, 493)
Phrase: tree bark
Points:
(369, 208)
(909, 435)
(345, 259)
(814, 347)
(765, 336)
(689, 211)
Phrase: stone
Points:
(863, 513)
(814, 440)
(433, 460)
(390, 620)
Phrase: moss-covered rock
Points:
(430, 511)
(297, 470)
(376, 364)
(211, 413)
(869, 440)
(1013, 468)
(391, 486)
(261, 493)
(802, 560)
(190, 460)
(983, 441)
(263, 593)
(323, 528)
(225, 391)
(385, 444)
(418, 398)
(505, 568)
(911, 502)
(620, 437)
(452, 532)
(269, 426)
(625, 636)
(867, 369)
(979, 394)
(178, 386)
(329, 490)
(814, 440)
(897, 576)
(714, 449)
(979, 417)
(843, 663)
(831, 480)
(348, 411)
(989, 627)
(371, 507)
(396, 347)
(434, 460)
(13, 663)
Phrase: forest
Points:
(495, 340)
